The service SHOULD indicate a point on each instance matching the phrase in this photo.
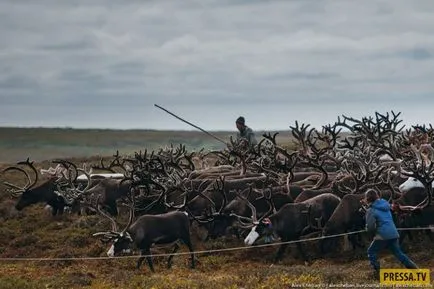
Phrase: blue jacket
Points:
(379, 220)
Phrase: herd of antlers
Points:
(365, 150)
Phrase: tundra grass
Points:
(34, 233)
(48, 143)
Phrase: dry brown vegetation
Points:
(34, 233)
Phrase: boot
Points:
(376, 274)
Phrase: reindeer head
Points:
(264, 227)
(259, 227)
(121, 245)
(214, 220)
(121, 240)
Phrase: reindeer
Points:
(200, 203)
(147, 230)
(32, 194)
(291, 221)
(347, 217)
(214, 221)
(421, 215)
(413, 192)
(414, 206)
(257, 197)
(107, 188)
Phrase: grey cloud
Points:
(12, 81)
(270, 60)
(418, 54)
(67, 46)
(300, 75)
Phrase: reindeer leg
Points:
(354, 242)
(429, 233)
(323, 245)
(236, 232)
(61, 205)
(169, 261)
(207, 237)
(61, 209)
(302, 253)
(403, 235)
(280, 252)
(360, 241)
(187, 242)
(148, 257)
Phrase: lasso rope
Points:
(204, 251)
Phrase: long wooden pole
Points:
(193, 125)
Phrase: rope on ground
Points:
(205, 251)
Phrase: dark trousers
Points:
(393, 246)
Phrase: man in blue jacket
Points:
(379, 221)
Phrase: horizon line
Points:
(127, 129)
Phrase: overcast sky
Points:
(105, 63)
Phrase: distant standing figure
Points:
(379, 221)
(245, 132)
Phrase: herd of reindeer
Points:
(263, 193)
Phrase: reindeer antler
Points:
(16, 190)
